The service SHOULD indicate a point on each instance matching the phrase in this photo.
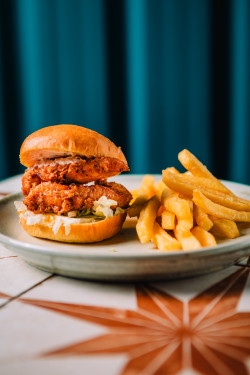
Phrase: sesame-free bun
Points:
(66, 140)
(77, 233)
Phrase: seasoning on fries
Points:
(187, 211)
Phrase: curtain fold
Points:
(155, 77)
(240, 92)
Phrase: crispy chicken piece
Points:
(76, 170)
(58, 198)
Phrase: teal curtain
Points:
(154, 76)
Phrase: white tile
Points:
(16, 276)
(97, 365)
(3, 301)
(187, 289)
(188, 372)
(29, 331)
(67, 290)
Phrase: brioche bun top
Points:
(66, 140)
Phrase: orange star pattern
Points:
(165, 335)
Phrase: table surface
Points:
(56, 325)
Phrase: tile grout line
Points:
(25, 291)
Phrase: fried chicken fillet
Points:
(68, 170)
(60, 199)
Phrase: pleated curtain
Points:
(154, 76)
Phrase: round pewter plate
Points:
(123, 257)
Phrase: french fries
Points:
(187, 211)
(204, 237)
(218, 210)
(187, 240)
(185, 185)
(196, 168)
(202, 219)
(224, 228)
(163, 240)
(140, 197)
(167, 220)
(145, 224)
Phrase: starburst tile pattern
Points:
(165, 336)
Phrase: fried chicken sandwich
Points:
(67, 195)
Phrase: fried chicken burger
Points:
(67, 195)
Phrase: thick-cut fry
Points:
(187, 240)
(136, 207)
(178, 206)
(202, 219)
(147, 186)
(201, 182)
(167, 193)
(145, 224)
(160, 210)
(163, 240)
(174, 170)
(145, 192)
(195, 206)
(182, 209)
(193, 165)
(182, 184)
(224, 228)
(184, 225)
(167, 220)
(159, 187)
(135, 194)
(217, 210)
(204, 237)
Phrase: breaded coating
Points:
(78, 170)
(57, 198)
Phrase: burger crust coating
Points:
(79, 171)
(57, 198)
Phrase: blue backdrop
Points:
(154, 76)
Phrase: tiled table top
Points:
(55, 325)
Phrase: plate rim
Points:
(231, 246)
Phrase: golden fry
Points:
(204, 237)
(202, 219)
(178, 206)
(163, 240)
(182, 184)
(224, 228)
(147, 186)
(193, 165)
(182, 200)
(201, 182)
(145, 192)
(167, 220)
(174, 170)
(145, 224)
(217, 210)
(159, 187)
(136, 207)
(187, 240)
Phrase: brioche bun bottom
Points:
(79, 233)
